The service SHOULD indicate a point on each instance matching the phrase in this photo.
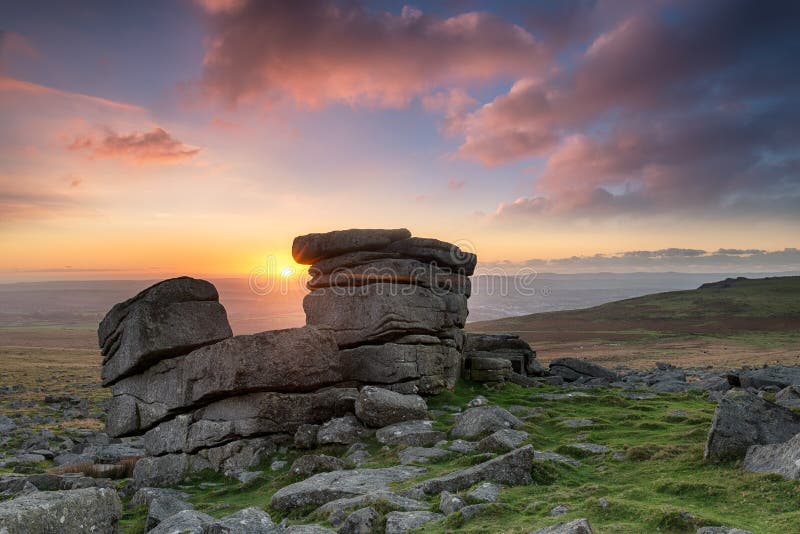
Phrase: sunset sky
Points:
(143, 139)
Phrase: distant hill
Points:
(745, 315)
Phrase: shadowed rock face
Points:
(780, 458)
(292, 360)
(80, 510)
(572, 369)
(743, 419)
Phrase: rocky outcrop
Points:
(494, 357)
(81, 510)
(385, 309)
(743, 419)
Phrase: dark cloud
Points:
(691, 104)
(156, 146)
(317, 52)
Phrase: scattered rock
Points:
(476, 421)
(342, 430)
(787, 397)
(185, 522)
(780, 458)
(362, 521)
(325, 487)
(742, 419)
(577, 423)
(559, 510)
(777, 375)
(247, 521)
(512, 469)
(80, 510)
(399, 522)
(412, 433)
(306, 436)
(573, 369)
(591, 448)
(577, 526)
(463, 447)
(485, 492)
(311, 464)
(421, 455)
(721, 530)
(555, 457)
(503, 440)
(162, 507)
(378, 407)
(449, 503)
(6, 424)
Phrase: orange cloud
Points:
(316, 52)
(157, 146)
(12, 85)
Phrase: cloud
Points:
(456, 185)
(19, 204)
(156, 146)
(11, 85)
(666, 105)
(319, 52)
(671, 259)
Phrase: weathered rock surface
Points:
(428, 368)
(378, 407)
(421, 455)
(482, 419)
(576, 526)
(742, 419)
(248, 521)
(382, 312)
(572, 369)
(777, 375)
(325, 487)
(412, 433)
(780, 458)
(154, 331)
(488, 369)
(449, 503)
(503, 440)
(81, 510)
(391, 270)
(163, 507)
(399, 522)
(788, 396)
(311, 248)
(362, 521)
(292, 360)
(185, 522)
(341, 430)
(311, 464)
(441, 253)
(512, 469)
(245, 416)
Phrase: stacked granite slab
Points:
(495, 357)
(395, 304)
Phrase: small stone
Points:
(399, 522)
(315, 463)
(559, 510)
(485, 492)
(449, 503)
(306, 436)
(413, 433)
(363, 521)
(342, 430)
(277, 465)
(480, 400)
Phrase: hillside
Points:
(729, 322)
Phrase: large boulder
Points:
(512, 469)
(430, 368)
(488, 369)
(441, 253)
(81, 510)
(311, 248)
(779, 458)
(418, 433)
(325, 487)
(378, 407)
(400, 522)
(482, 420)
(153, 331)
(741, 420)
(292, 360)
(382, 312)
(572, 369)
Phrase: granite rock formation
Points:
(385, 309)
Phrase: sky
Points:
(155, 138)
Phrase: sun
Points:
(286, 272)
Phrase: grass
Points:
(658, 482)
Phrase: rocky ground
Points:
(621, 450)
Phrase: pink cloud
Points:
(456, 185)
(316, 52)
(11, 85)
(156, 146)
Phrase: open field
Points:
(751, 322)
